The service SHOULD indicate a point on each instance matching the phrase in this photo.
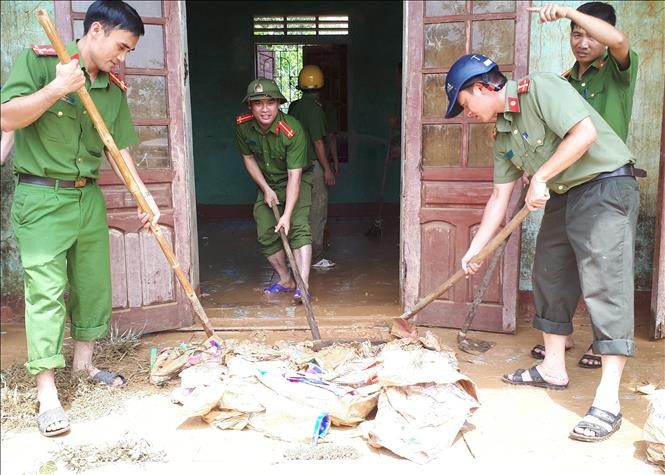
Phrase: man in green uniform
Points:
(587, 237)
(273, 146)
(58, 212)
(310, 114)
(604, 73)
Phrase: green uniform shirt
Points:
(608, 89)
(533, 124)
(283, 147)
(63, 142)
(310, 114)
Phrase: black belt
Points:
(44, 181)
(626, 170)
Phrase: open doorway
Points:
(224, 56)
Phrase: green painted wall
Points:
(20, 29)
(642, 22)
(221, 64)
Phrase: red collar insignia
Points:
(44, 50)
(241, 119)
(523, 85)
(118, 82)
(285, 129)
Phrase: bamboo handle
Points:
(128, 178)
(314, 328)
(481, 256)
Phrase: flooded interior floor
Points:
(362, 290)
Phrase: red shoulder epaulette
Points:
(284, 127)
(118, 82)
(241, 119)
(523, 85)
(566, 74)
(44, 50)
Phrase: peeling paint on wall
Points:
(20, 28)
(642, 22)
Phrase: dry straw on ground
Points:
(130, 448)
(82, 398)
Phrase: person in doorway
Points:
(582, 173)
(310, 114)
(604, 73)
(273, 146)
(57, 158)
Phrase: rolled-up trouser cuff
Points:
(88, 334)
(614, 347)
(44, 364)
(555, 328)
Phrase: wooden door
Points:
(657, 327)
(146, 294)
(448, 167)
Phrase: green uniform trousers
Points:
(586, 245)
(299, 233)
(63, 238)
(319, 213)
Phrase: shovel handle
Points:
(313, 327)
(490, 247)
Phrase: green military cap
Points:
(263, 88)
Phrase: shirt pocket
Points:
(60, 123)
(534, 137)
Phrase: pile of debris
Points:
(406, 395)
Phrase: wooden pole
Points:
(301, 284)
(127, 177)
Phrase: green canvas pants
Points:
(63, 238)
(299, 234)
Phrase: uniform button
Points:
(526, 154)
(561, 187)
(515, 131)
(592, 95)
(80, 159)
(518, 167)
(539, 141)
(583, 84)
(59, 113)
(85, 112)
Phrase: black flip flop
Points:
(590, 357)
(538, 351)
(537, 380)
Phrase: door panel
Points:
(146, 294)
(448, 167)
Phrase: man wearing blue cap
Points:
(547, 131)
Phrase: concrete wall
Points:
(221, 61)
(20, 29)
(642, 22)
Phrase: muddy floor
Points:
(516, 430)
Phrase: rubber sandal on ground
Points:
(297, 296)
(276, 288)
(51, 417)
(538, 351)
(107, 378)
(537, 380)
(590, 361)
(324, 264)
(599, 430)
